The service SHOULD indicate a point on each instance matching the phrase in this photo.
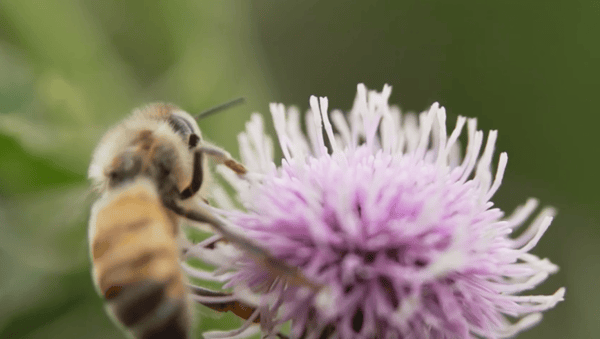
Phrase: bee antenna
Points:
(220, 107)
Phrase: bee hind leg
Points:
(222, 302)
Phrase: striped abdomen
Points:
(136, 263)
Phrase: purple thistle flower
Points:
(390, 220)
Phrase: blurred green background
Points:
(68, 70)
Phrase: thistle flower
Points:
(395, 226)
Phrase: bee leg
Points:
(209, 243)
(184, 244)
(221, 156)
(203, 216)
(197, 177)
(276, 266)
(204, 296)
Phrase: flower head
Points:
(397, 228)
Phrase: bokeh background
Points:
(68, 70)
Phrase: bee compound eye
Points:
(181, 126)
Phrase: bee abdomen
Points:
(148, 310)
(174, 324)
(136, 264)
(137, 301)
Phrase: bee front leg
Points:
(220, 156)
(197, 177)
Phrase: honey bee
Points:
(148, 170)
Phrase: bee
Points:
(148, 170)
